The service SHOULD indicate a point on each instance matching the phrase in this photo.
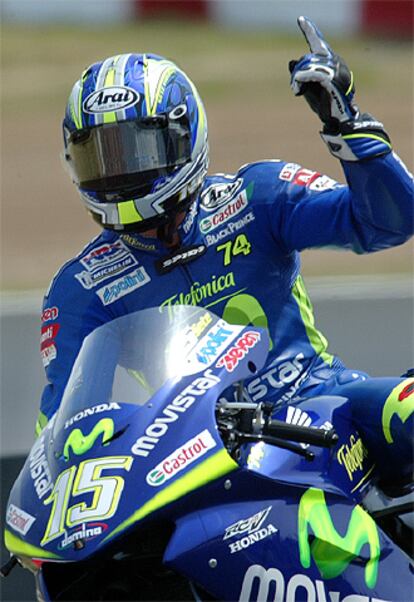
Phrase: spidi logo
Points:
(182, 457)
(112, 98)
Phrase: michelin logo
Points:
(123, 286)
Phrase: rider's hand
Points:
(327, 84)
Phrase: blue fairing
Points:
(127, 451)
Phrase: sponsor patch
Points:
(48, 350)
(137, 244)
(180, 458)
(111, 98)
(48, 353)
(304, 177)
(247, 525)
(39, 469)
(322, 183)
(352, 456)
(189, 218)
(49, 314)
(104, 255)
(18, 519)
(240, 349)
(186, 340)
(217, 195)
(123, 286)
(229, 229)
(214, 342)
(262, 583)
(200, 291)
(47, 334)
(105, 262)
(180, 257)
(85, 532)
(288, 171)
(279, 374)
(230, 210)
(103, 407)
(249, 531)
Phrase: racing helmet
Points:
(135, 134)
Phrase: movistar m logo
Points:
(400, 402)
(331, 551)
(80, 443)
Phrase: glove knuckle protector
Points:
(327, 84)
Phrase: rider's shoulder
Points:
(91, 255)
(221, 188)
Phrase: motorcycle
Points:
(159, 479)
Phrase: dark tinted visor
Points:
(105, 152)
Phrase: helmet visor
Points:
(102, 155)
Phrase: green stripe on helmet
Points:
(128, 213)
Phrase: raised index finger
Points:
(314, 38)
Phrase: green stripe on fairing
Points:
(331, 551)
(16, 546)
(41, 422)
(316, 338)
(80, 443)
(213, 468)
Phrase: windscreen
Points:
(129, 359)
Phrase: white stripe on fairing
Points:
(359, 288)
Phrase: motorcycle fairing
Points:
(309, 543)
(109, 459)
(329, 469)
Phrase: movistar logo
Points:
(80, 443)
(331, 551)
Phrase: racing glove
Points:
(327, 84)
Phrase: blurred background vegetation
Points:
(242, 77)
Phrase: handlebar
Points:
(300, 434)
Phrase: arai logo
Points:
(112, 98)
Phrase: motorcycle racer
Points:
(136, 147)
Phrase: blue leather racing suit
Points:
(244, 233)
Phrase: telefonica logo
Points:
(111, 98)
(200, 292)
